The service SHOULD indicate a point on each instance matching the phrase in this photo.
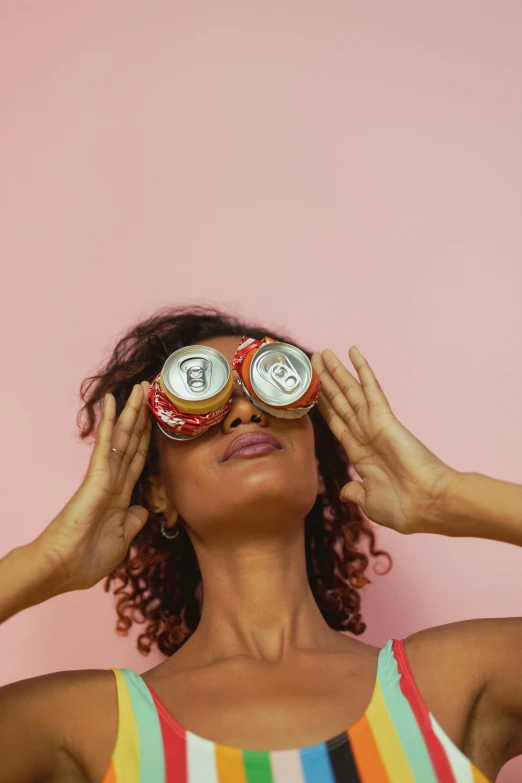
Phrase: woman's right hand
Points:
(93, 532)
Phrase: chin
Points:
(285, 489)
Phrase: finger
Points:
(327, 396)
(335, 396)
(340, 398)
(349, 386)
(135, 520)
(354, 492)
(370, 385)
(338, 425)
(136, 466)
(330, 387)
(127, 421)
(102, 446)
(137, 433)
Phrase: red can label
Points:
(176, 421)
(246, 345)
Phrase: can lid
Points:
(195, 372)
(280, 373)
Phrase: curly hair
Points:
(160, 578)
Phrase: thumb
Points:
(353, 492)
(134, 522)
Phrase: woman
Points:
(246, 569)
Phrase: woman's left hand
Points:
(402, 480)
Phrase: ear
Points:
(321, 489)
(154, 492)
(158, 499)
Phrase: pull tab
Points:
(196, 373)
(278, 370)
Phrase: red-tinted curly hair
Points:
(161, 578)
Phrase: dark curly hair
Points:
(161, 579)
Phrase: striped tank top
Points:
(397, 740)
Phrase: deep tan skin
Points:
(263, 670)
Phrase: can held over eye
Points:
(192, 392)
(277, 377)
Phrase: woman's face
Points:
(246, 497)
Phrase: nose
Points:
(242, 411)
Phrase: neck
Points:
(257, 604)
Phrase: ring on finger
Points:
(117, 452)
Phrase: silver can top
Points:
(280, 373)
(195, 372)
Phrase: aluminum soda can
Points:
(192, 392)
(277, 377)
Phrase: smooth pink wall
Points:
(348, 172)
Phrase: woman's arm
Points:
(26, 578)
(480, 507)
(39, 708)
(81, 545)
(92, 533)
(407, 488)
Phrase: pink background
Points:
(348, 172)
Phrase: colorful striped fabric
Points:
(397, 740)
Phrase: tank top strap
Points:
(413, 734)
(138, 753)
(396, 681)
(399, 715)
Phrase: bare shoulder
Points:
(90, 735)
(67, 714)
(468, 660)
(445, 649)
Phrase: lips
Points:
(250, 439)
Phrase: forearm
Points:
(26, 579)
(478, 506)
